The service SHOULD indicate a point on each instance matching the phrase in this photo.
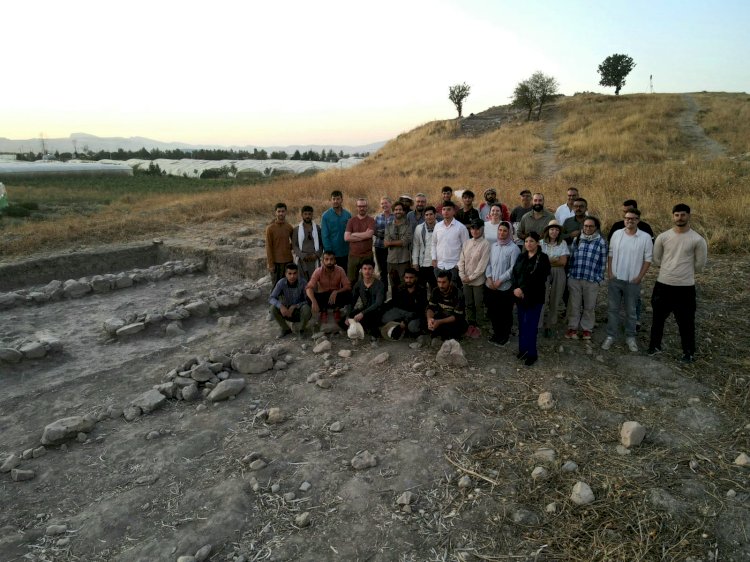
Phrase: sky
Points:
(276, 73)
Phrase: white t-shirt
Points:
(629, 252)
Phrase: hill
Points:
(657, 148)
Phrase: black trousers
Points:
(500, 310)
(677, 300)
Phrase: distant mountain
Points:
(83, 141)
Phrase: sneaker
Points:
(653, 351)
(572, 334)
(632, 345)
(608, 343)
(687, 358)
(473, 332)
(586, 335)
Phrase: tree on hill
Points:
(613, 71)
(535, 91)
(457, 94)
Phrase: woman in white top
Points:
(558, 253)
(490, 226)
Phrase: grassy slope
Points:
(612, 148)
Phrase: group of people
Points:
(452, 267)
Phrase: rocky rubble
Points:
(57, 290)
(29, 349)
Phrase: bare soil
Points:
(678, 496)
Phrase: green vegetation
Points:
(458, 94)
(535, 91)
(613, 71)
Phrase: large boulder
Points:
(73, 289)
(149, 401)
(252, 363)
(66, 428)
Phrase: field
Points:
(458, 450)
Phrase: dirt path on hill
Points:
(696, 137)
(550, 165)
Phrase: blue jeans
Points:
(528, 325)
(619, 292)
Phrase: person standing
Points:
(415, 217)
(382, 220)
(680, 253)
(333, 226)
(588, 263)
(492, 223)
(448, 238)
(557, 251)
(467, 213)
(288, 301)
(535, 220)
(518, 212)
(529, 280)
(630, 255)
(566, 210)
(472, 264)
(307, 245)
(619, 225)
(398, 238)
(278, 243)
(490, 200)
(572, 227)
(421, 249)
(359, 232)
(446, 194)
(499, 294)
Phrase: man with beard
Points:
(490, 199)
(421, 253)
(359, 232)
(369, 291)
(537, 219)
(445, 309)
(288, 302)
(573, 226)
(306, 243)
(415, 217)
(278, 243)
(329, 288)
(408, 306)
(333, 225)
(679, 252)
(398, 238)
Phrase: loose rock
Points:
(363, 460)
(582, 494)
(742, 460)
(545, 401)
(54, 530)
(226, 389)
(252, 363)
(322, 347)
(11, 462)
(336, 426)
(203, 553)
(149, 401)
(464, 482)
(450, 353)
(67, 428)
(407, 498)
(380, 358)
(275, 415)
(303, 519)
(19, 475)
(632, 433)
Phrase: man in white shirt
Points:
(448, 238)
(421, 249)
(565, 211)
(630, 255)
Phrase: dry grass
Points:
(612, 148)
(724, 117)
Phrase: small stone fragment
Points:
(289, 496)
(10, 355)
(204, 551)
(66, 428)
(464, 482)
(33, 350)
(149, 401)
(303, 519)
(742, 460)
(305, 486)
(345, 353)
(82, 437)
(322, 347)
(336, 426)
(582, 494)
(323, 383)
(451, 353)
(545, 455)
(622, 450)
(201, 373)
(20, 475)
(114, 412)
(380, 358)
(275, 488)
(632, 433)
(63, 542)
(152, 435)
(190, 392)
(10, 462)
(539, 473)
(545, 401)
(407, 498)
(258, 464)
(54, 530)
(275, 415)
(131, 412)
(551, 508)
(252, 363)
(226, 389)
(569, 466)
(363, 460)
(186, 559)
(130, 329)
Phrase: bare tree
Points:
(457, 94)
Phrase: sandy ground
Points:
(125, 497)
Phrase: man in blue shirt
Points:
(288, 301)
(333, 226)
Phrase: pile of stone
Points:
(31, 349)
(74, 289)
(182, 309)
(242, 244)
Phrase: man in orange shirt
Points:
(329, 288)
(278, 243)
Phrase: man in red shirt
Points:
(359, 232)
(329, 288)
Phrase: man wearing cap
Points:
(446, 194)
(398, 238)
(537, 219)
(472, 264)
(630, 255)
(448, 238)
(407, 202)
(517, 214)
(566, 210)
(679, 252)
(467, 213)
(359, 232)
(490, 199)
(415, 217)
